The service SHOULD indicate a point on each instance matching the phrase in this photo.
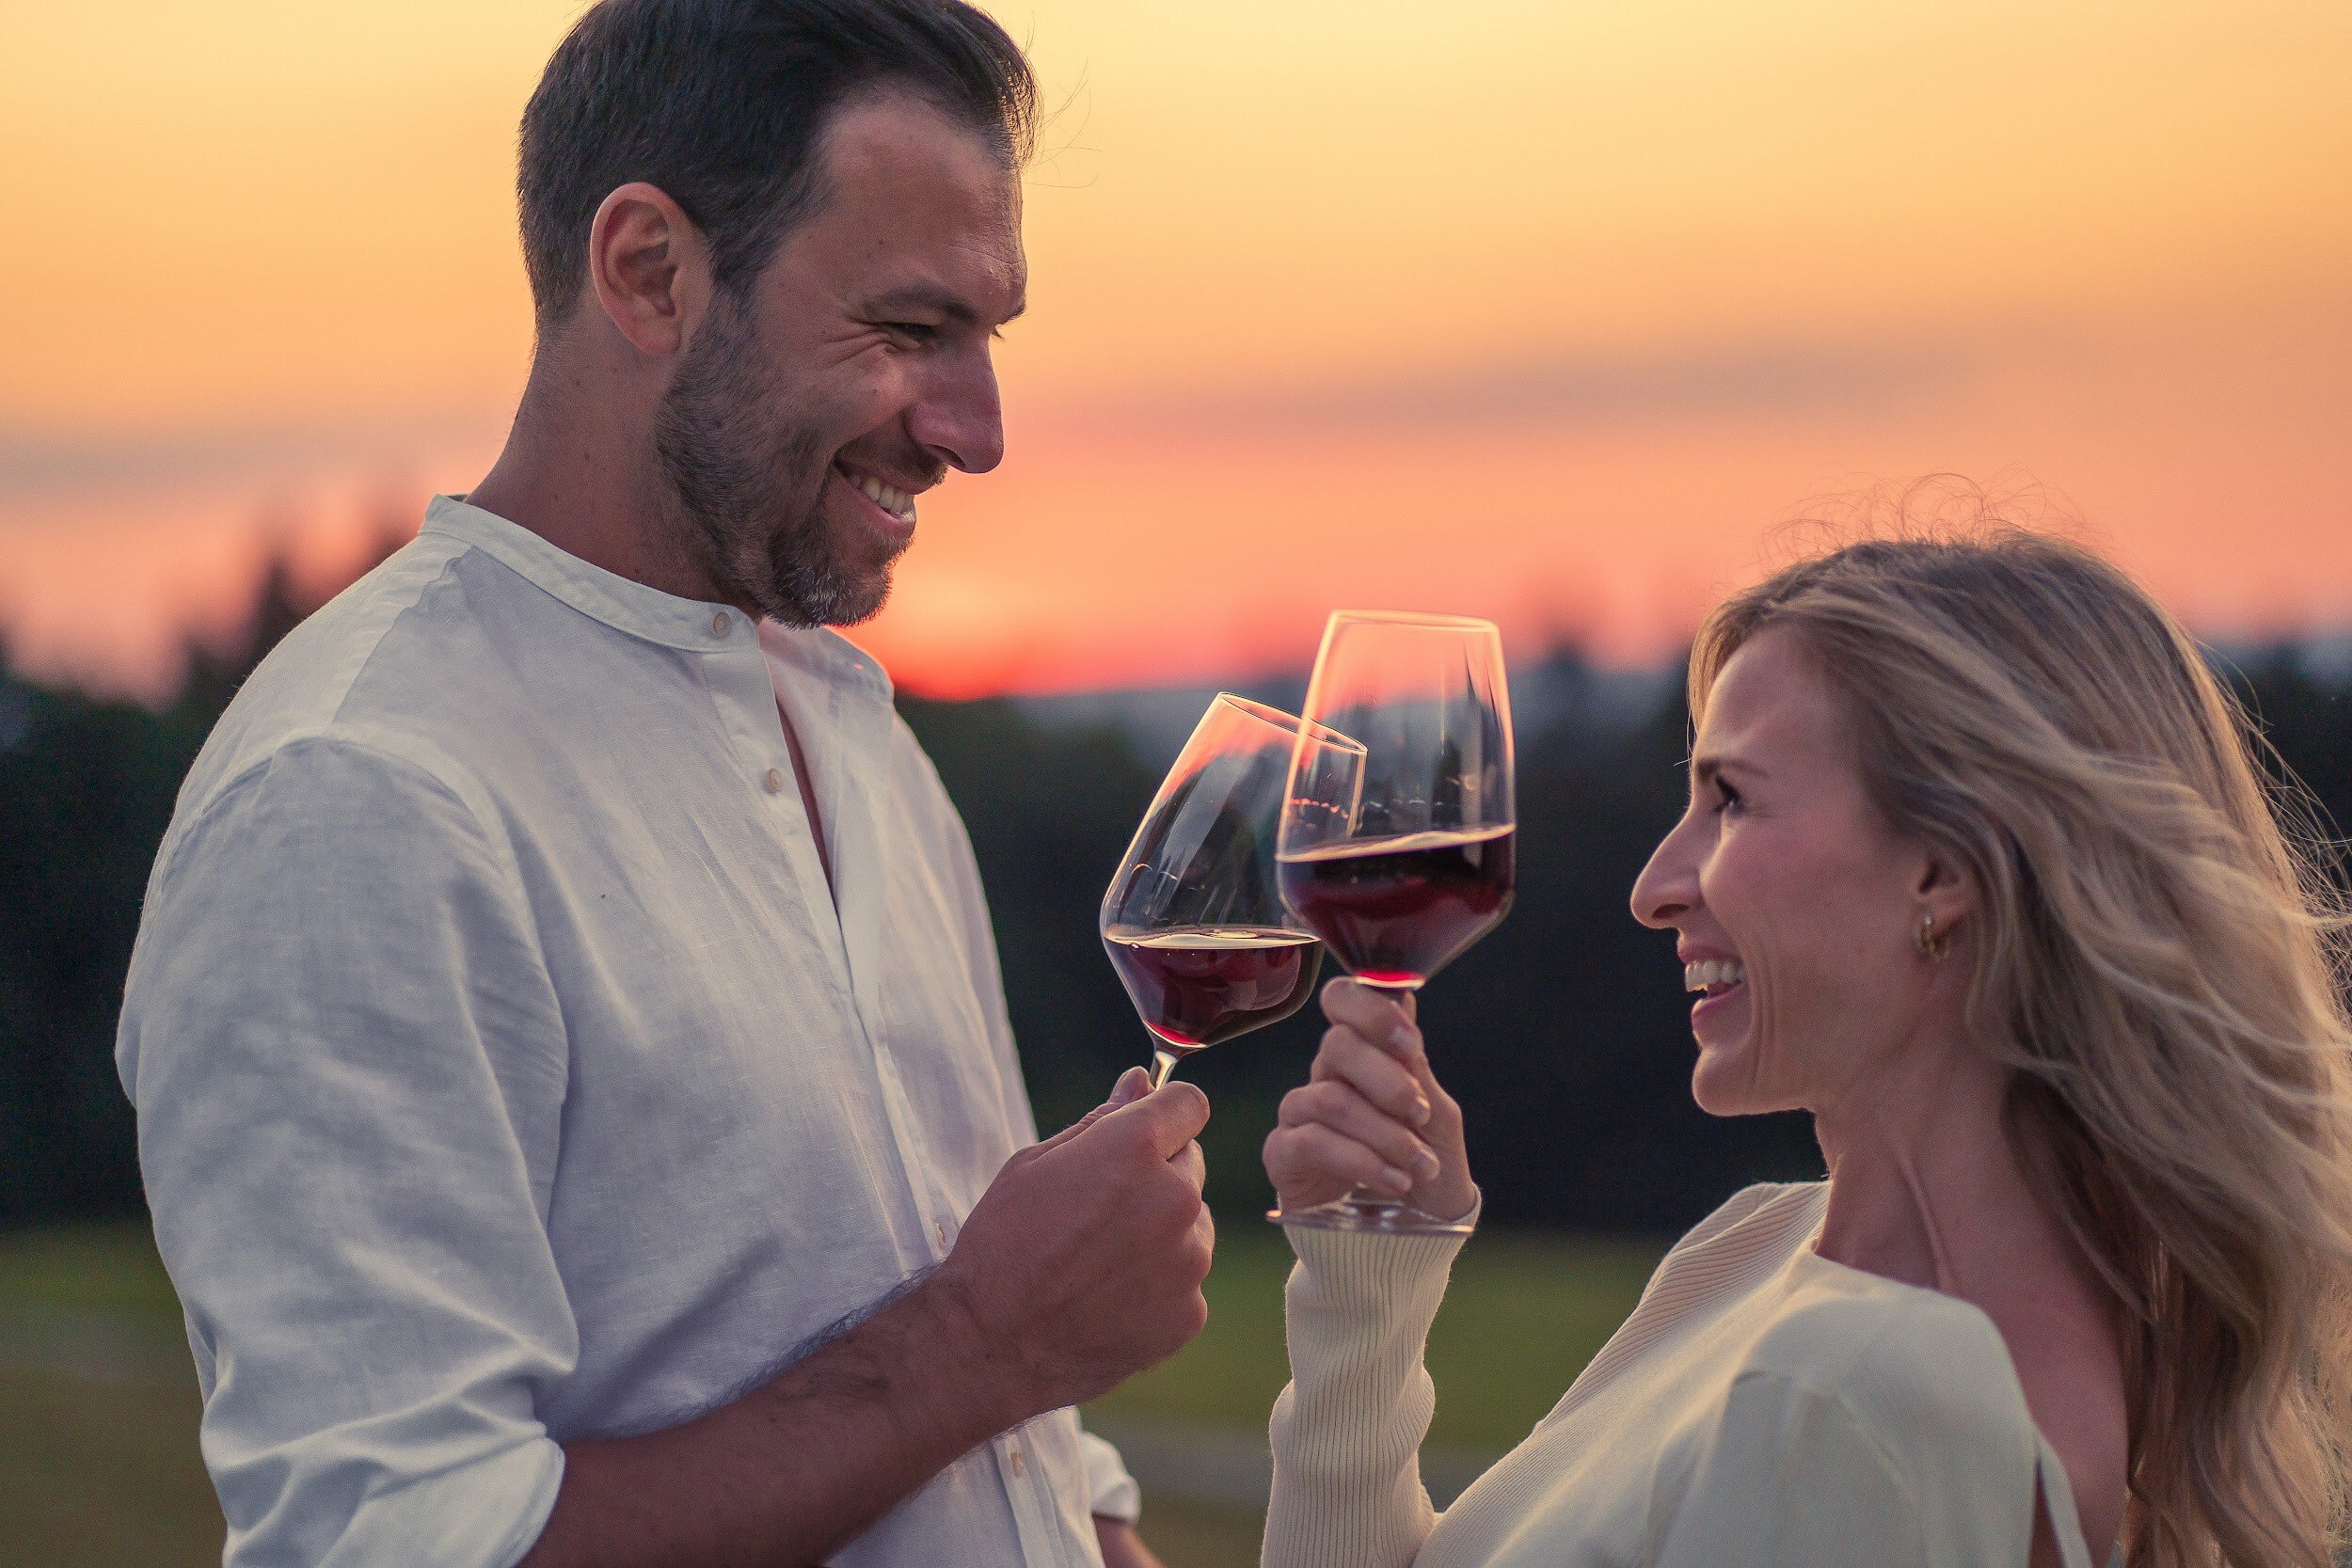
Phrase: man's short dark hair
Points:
(723, 104)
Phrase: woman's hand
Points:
(1371, 1114)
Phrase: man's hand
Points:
(1082, 1264)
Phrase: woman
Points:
(1976, 868)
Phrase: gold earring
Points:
(1932, 944)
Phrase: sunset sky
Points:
(1543, 310)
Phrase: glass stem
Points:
(1162, 1063)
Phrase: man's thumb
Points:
(1175, 1114)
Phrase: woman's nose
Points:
(1668, 887)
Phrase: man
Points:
(574, 1087)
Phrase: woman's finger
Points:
(1313, 1159)
(1384, 1018)
(1337, 1105)
(1377, 1075)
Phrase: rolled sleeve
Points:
(349, 1069)
(1112, 1493)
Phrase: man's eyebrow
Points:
(929, 297)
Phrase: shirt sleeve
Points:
(1112, 1492)
(1347, 1431)
(349, 1066)
(1798, 1472)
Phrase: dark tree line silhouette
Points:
(1564, 1034)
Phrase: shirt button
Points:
(719, 624)
(774, 781)
(1019, 1465)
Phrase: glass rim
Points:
(1426, 619)
(1291, 723)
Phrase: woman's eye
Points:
(1727, 798)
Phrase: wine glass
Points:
(1193, 921)
(1418, 865)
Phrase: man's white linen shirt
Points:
(507, 1072)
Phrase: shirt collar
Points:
(693, 625)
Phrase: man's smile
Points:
(890, 509)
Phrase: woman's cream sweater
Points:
(1762, 1405)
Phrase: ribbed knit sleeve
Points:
(1347, 1431)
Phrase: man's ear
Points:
(649, 268)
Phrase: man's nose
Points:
(959, 419)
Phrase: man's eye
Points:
(913, 332)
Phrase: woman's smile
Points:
(1720, 981)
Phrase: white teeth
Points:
(1710, 973)
(896, 503)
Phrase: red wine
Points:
(1200, 985)
(1396, 911)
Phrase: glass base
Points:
(1380, 1215)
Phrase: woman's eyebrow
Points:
(1706, 765)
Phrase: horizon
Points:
(1154, 715)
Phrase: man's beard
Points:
(753, 494)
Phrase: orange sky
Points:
(1544, 311)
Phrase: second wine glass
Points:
(1420, 863)
(1193, 920)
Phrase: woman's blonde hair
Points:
(2157, 957)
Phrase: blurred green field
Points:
(1523, 1314)
(98, 1409)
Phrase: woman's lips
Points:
(1715, 999)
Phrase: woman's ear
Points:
(1945, 890)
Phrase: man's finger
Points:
(1133, 1086)
(1170, 1116)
